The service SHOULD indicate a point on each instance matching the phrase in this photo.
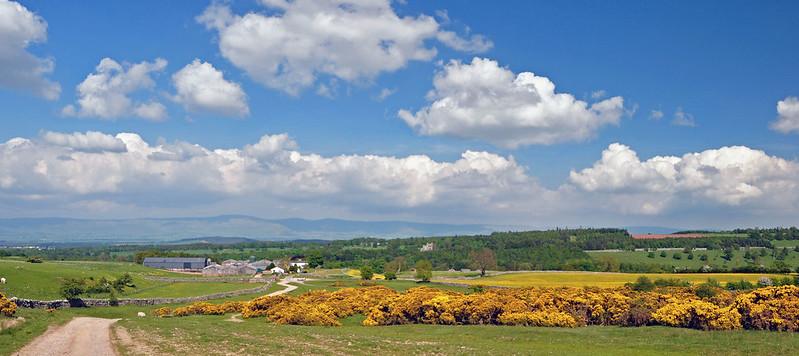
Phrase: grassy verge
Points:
(216, 335)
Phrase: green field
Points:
(593, 279)
(42, 280)
(785, 243)
(217, 335)
(713, 258)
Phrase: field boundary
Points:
(93, 302)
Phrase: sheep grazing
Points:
(141, 314)
(3, 280)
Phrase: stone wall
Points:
(91, 302)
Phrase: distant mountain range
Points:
(217, 228)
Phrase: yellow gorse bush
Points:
(770, 308)
(7, 307)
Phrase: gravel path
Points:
(289, 288)
(81, 336)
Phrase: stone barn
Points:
(177, 263)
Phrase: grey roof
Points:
(174, 259)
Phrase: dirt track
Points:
(80, 336)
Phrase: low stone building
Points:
(230, 268)
(177, 263)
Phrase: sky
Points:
(571, 113)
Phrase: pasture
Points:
(714, 258)
(42, 280)
(592, 279)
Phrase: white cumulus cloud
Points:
(126, 170)
(788, 115)
(294, 42)
(729, 176)
(91, 141)
(106, 93)
(481, 100)
(61, 172)
(201, 88)
(19, 69)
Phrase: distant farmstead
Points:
(177, 263)
(430, 246)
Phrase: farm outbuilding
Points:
(177, 263)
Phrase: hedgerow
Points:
(769, 308)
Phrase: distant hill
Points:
(212, 240)
(58, 230)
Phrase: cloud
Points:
(91, 141)
(61, 172)
(385, 93)
(106, 93)
(682, 118)
(598, 94)
(728, 176)
(291, 44)
(655, 115)
(201, 88)
(788, 116)
(20, 70)
(127, 170)
(481, 100)
(475, 44)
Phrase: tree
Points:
(424, 270)
(728, 254)
(643, 283)
(315, 259)
(72, 288)
(397, 264)
(482, 260)
(366, 273)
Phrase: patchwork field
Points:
(592, 279)
(42, 280)
(714, 258)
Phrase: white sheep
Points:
(3, 280)
(141, 314)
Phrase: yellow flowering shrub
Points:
(770, 308)
(698, 314)
(163, 312)
(7, 307)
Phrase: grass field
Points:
(42, 280)
(785, 243)
(593, 279)
(714, 258)
(217, 335)
(399, 285)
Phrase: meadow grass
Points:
(42, 280)
(216, 335)
(594, 279)
(713, 258)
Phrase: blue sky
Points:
(724, 64)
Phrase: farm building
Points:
(177, 263)
(298, 262)
(233, 267)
